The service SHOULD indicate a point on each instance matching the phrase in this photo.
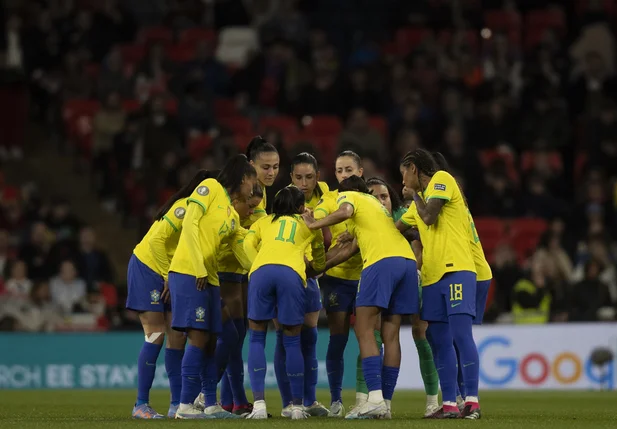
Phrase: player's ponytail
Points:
(184, 192)
(257, 146)
(235, 171)
(289, 201)
(307, 158)
(395, 199)
(353, 183)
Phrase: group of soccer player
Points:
(214, 266)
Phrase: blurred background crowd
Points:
(519, 95)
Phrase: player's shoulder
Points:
(343, 196)
(442, 177)
(208, 187)
(177, 210)
(324, 187)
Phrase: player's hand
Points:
(344, 238)
(201, 283)
(308, 219)
(407, 193)
(165, 294)
(311, 272)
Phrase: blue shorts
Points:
(192, 308)
(144, 288)
(313, 296)
(232, 277)
(339, 294)
(482, 288)
(390, 284)
(455, 293)
(276, 292)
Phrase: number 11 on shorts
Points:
(456, 292)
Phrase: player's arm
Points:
(194, 213)
(441, 190)
(407, 221)
(428, 211)
(237, 247)
(416, 246)
(163, 229)
(344, 212)
(251, 242)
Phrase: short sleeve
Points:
(441, 186)
(204, 193)
(409, 217)
(346, 198)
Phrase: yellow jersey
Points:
(226, 258)
(158, 246)
(351, 268)
(284, 242)
(374, 229)
(316, 198)
(259, 212)
(446, 244)
(483, 269)
(210, 220)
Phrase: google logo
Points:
(565, 368)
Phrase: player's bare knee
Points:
(292, 330)
(175, 339)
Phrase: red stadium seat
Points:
(237, 124)
(225, 107)
(131, 105)
(242, 141)
(79, 106)
(180, 53)
(192, 36)
(488, 157)
(285, 124)
(528, 227)
(407, 39)
(529, 159)
(489, 227)
(322, 125)
(501, 20)
(171, 105)
(198, 146)
(132, 54)
(155, 34)
(380, 124)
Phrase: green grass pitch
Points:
(91, 409)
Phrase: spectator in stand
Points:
(18, 285)
(496, 129)
(35, 313)
(74, 82)
(538, 202)
(543, 127)
(195, 110)
(506, 272)
(361, 138)
(113, 77)
(207, 70)
(92, 263)
(596, 249)
(67, 290)
(4, 254)
(161, 133)
(500, 198)
(61, 221)
(532, 301)
(114, 21)
(589, 89)
(152, 73)
(83, 38)
(361, 95)
(108, 122)
(323, 96)
(502, 62)
(37, 253)
(463, 161)
(590, 296)
(287, 23)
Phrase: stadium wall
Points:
(512, 357)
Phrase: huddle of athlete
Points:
(215, 265)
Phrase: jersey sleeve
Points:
(346, 198)
(204, 194)
(191, 229)
(162, 231)
(318, 251)
(323, 208)
(175, 215)
(237, 247)
(251, 242)
(409, 218)
(442, 186)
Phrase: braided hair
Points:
(423, 160)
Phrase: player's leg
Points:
(427, 364)
(435, 298)
(308, 340)
(280, 370)
(174, 353)
(361, 389)
(145, 288)
(461, 314)
(189, 309)
(232, 294)
(261, 309)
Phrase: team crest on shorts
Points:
(155, 296)
(333, 299)
(203, 191)
(180, 212)
(200, 313)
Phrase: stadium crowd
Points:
(520, 96)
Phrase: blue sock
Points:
(461, 326)
(227, 398)
(173, 366)
(257, 363)
(460, 388)
(146, 368)
(209, 380)
(389, 376)
(308, 338)
(446, 361)
(192, 362)
(225, 343)
(371, 367)
(235, 368)
(295, 367)
(280, 370)
(335, 365)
